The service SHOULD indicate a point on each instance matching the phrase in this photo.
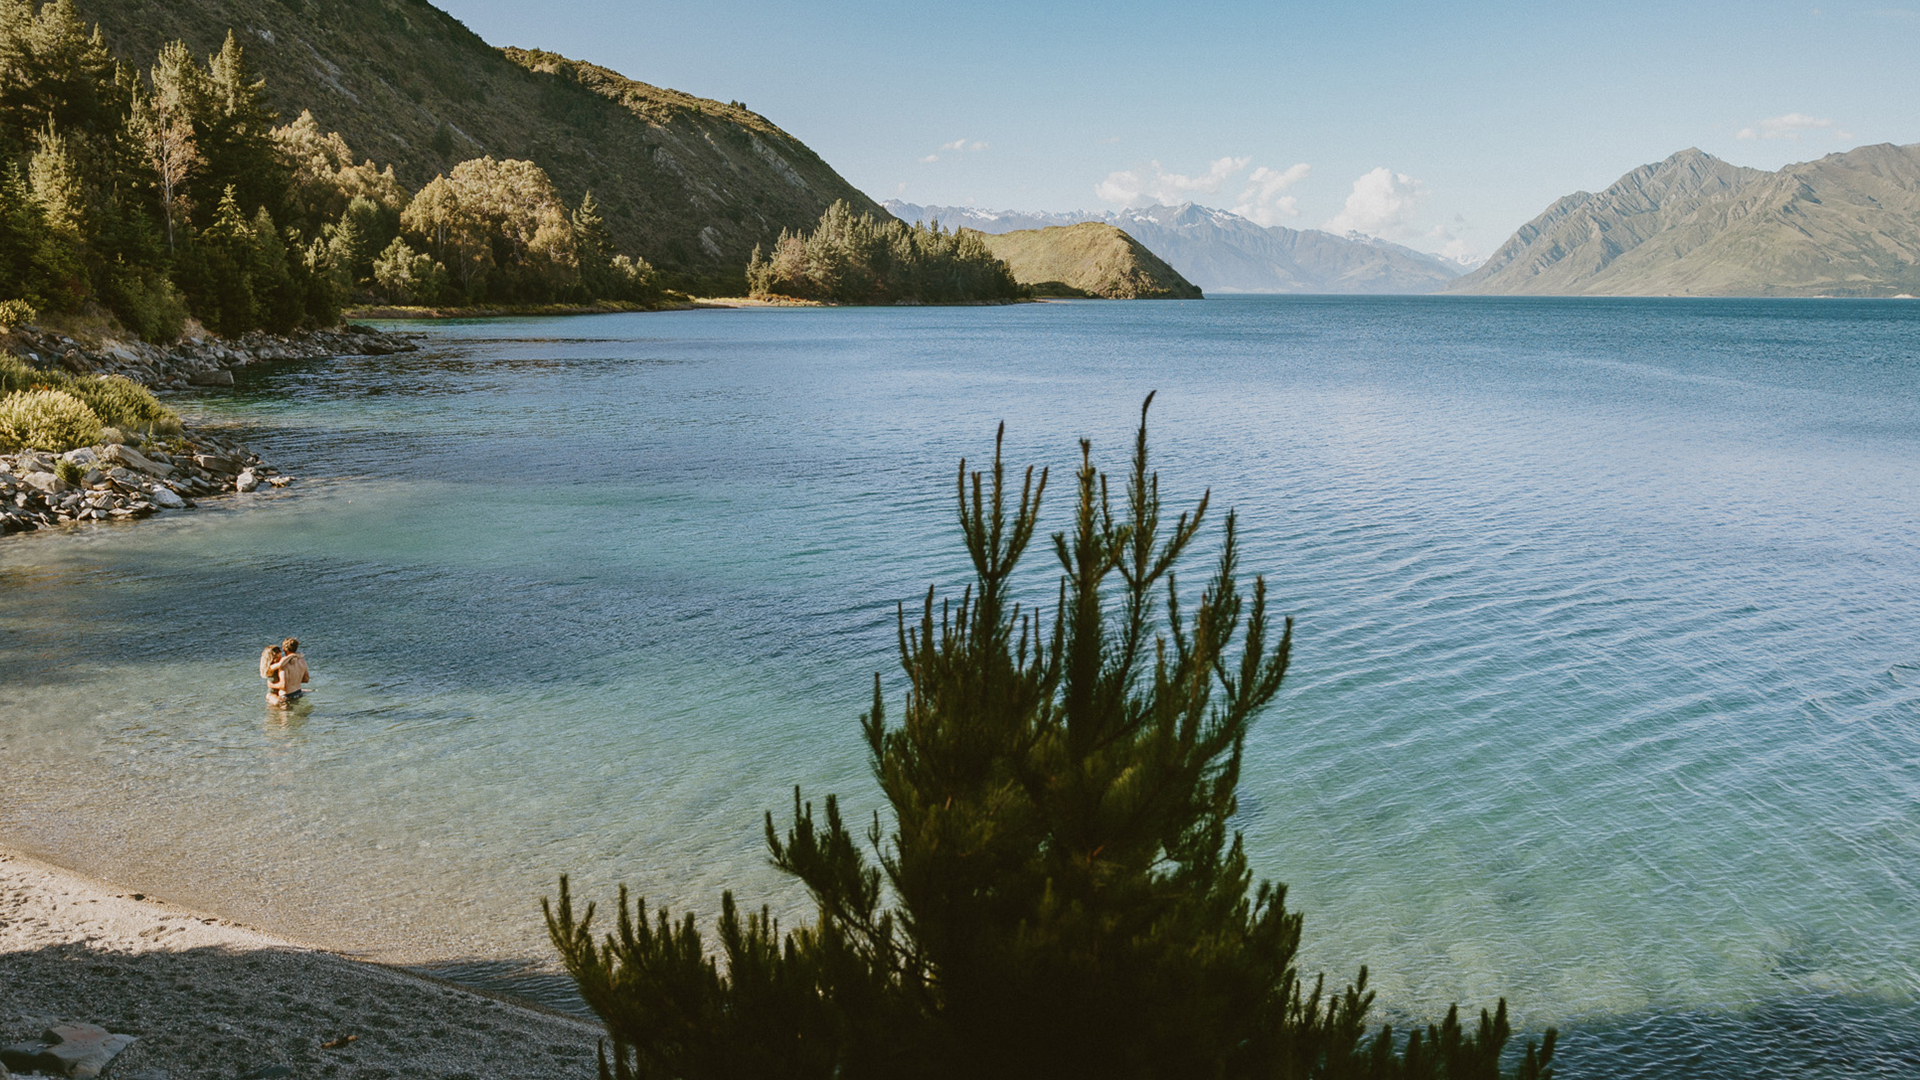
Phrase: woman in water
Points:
(273, 673)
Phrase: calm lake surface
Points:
(1606, 690)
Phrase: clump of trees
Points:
(1059, 890)
(170, 193)
(854, 259)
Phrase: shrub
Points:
(16, 313)
(46, 420)
(125, 404)
(69, 471)
(16, 374)
(631, 279)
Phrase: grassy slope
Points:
(1091, 257)
(691, 185)
(1847, 224)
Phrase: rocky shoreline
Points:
(114, 480)
(195, 360)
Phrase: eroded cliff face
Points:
(1693, 225)
(689, 184)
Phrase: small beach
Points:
(208, 997)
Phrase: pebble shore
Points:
(115, 481)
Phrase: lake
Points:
(1606, 682)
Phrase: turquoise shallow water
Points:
(1606, 694)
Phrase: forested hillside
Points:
(691, 185)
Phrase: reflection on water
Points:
(1606, 694)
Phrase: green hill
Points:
(1089, 259)
(692, 185)
(1693, 225)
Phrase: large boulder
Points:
(133, 459)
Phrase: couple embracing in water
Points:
(284, 669)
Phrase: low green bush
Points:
(117, 401)
(17, 374)
(125, 404)
(46, 420)
(16, 313)
(70, 471)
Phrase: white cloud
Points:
(1383, 203)
(1262, 197)
(1791, 126)
(1139, 187)
(964, 144)
(930, 159)
(1264, 202)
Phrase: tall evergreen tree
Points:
(236, 133)
(1061, 892)
(224, 298)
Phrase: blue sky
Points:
(1443, 126)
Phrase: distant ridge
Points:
(1222, 252)
(1091, 259)
(1694, 225)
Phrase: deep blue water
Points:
(1606, 690)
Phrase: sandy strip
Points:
(210, 998)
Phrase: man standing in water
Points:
(289, 673)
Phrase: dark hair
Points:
(292, 644)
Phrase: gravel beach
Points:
(207, 998)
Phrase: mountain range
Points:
(1694, 225)
(689, 184)
(1222, 252)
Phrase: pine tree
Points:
(226, 301)
(235, 132)
(594, 247)
(1061, 893)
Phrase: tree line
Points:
(854, 259)
(172, 193)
